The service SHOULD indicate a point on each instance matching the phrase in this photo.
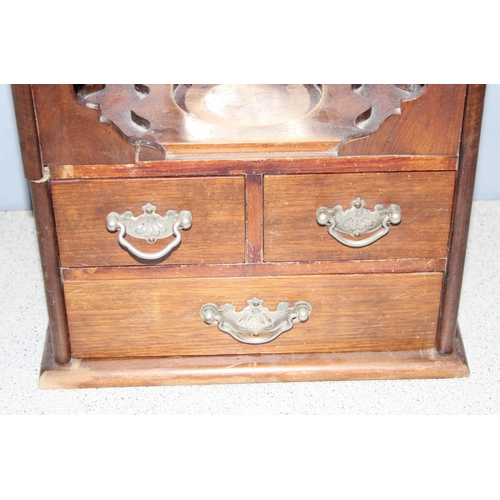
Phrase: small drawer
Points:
(216, 235)
(292, 232)
(162, 317)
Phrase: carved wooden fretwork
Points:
(210, 118)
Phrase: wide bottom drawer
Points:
(143, 318)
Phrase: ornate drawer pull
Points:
(357, 221)
(149, 226)
(247, 325)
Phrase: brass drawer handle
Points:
(357, 221)
(149, 226)
(247, 325)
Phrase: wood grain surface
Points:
(234, 164)
(253, 216)
(428, 125)
(28, 132)
(49, 258)
(464, 192)
(291, 232)
(217, 205)
(244, 369)
(133, 318)
(72, 133)
(254, 269)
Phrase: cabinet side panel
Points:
(461, 217)
(27, 129)
(49, 256)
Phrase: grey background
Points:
(14, 193)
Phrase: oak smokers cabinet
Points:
(196, 234)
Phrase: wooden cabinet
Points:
(310, 232)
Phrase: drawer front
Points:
(291, 232)
(134, 318)
(217, 234)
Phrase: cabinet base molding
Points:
(195, 370)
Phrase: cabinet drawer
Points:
(217, 234)
(133, 318)
(291, 232)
